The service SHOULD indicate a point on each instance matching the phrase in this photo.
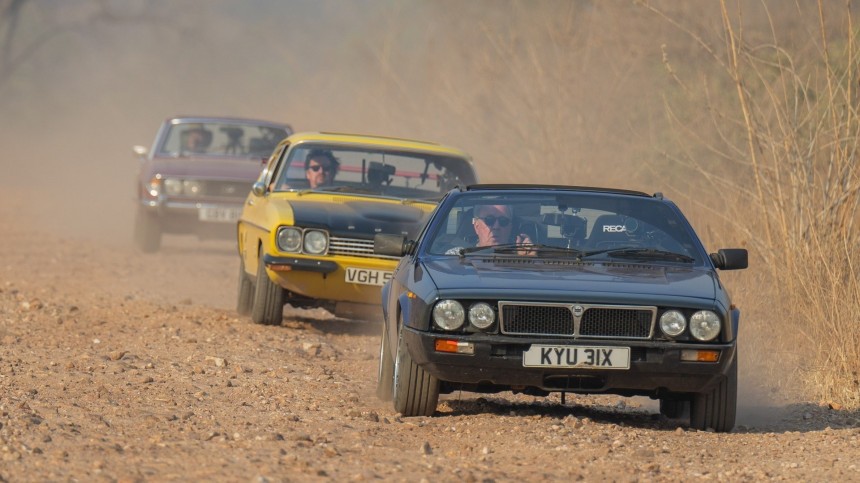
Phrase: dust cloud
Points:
(548, 89)
(537, 91)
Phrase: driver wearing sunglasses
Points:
(320, 168)
(494, 226)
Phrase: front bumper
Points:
(192, 216)
(655, 367)
(326, 278)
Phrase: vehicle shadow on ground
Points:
(795, 417)
(798, 417)
(597, 414)
(331, 325)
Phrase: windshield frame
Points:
(289, 173)
(681, 231)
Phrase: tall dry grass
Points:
(781, 151)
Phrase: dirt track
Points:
(116, 366)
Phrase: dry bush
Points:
(781, 159)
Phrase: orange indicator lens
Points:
(454, 346)
(700, 356)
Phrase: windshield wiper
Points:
(517, 247)
(649, 253)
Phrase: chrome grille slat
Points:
(354, 247)
(577, 320)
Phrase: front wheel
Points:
(246, 291)
(147, 232)
(385, 373)
(416, 392)
(717, 409)
(268, 306)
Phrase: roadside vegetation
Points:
(769, 129)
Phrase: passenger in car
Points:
(320, 168)
(493, 225)
(195, 139)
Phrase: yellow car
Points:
(305, 235)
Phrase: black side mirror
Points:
(392, 245)
(730, 258)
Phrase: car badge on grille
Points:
(578, 310)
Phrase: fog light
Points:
(455, 346)
(700, 356)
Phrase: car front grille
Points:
(226, 189)
(354, 247)
(577, 320)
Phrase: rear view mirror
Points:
(258, 188)
(140, 151)
(730, 258)
(392, 245)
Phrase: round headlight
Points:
(705, 325)
(192, 188)
(316, 242)
(481, 315)
(672, 323)
(289, 239)
(449, 314)
(172, 187)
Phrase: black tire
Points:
(675, 408)
(385, 373)
(147, 232)
(268, 306)
(416, 392)
(246, 291)
(717, 409)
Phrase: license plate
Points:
(219, 214)
(580, 357)
(366, 276)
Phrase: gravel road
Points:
(118, 366)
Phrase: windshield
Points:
(580, 225)
(378, 171)
(221, 139)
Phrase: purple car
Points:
(197, 174)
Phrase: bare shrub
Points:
(781, 156)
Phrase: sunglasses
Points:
(315, 168)
(491, 220)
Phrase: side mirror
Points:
(140, 151)
(392, 245)
(258, 188)
(730, 258)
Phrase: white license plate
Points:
(366, 276)
(219, 214)
(580, 357)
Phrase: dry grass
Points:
(781, 154)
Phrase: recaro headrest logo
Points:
(614, 229)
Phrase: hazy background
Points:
(545, 92)
(628, 94)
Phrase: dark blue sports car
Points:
(540, 289)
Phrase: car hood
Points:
(207, 167)
(555, 278)
(363, 218)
